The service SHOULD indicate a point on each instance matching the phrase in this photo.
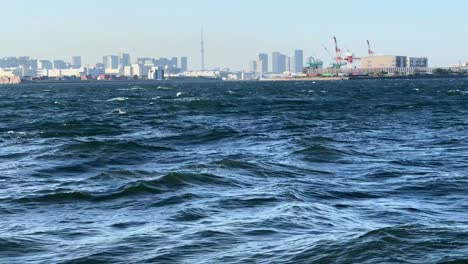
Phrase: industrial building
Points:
(390, 61)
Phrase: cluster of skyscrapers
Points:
(280, 63)
(119, 65)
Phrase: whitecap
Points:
(121, 112)
(163, 88)
(120, 99)
(136, 88)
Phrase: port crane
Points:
(314, 63)
(348, 60)
(336, 64)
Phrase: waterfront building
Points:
(390, 61)
(289, 66)
(383, 61)
(175, 62)
(274, 61)
(128, 71)
(253, 66)
(109, 71)
(45, 64)
(33, 64)
(111, 62)
(95, 72)
(9, 62)
(140, 70)
(183, 64)
(156, 73)
(76, 62)
(298, 65)
(24, 61)
(262, 63)
(60, 64)
(124, 60)
(416, 62)
(278, 62)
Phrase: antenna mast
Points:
(202, 51)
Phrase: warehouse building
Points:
(390, 61)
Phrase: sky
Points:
(235, 31)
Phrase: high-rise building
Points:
(262, 63)
(45, 65)
(184, 64)
(24, 61)
(298, 61)
(288, 64)
(175, 62)
(156, 73)
(274, 61)
(9, 62)
(253, 66)
(33, 64)
(282, 63)
(278, 62)
(76, 62)
(124, 60)
(110, 62)
(60, 64)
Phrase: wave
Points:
(166, 183)
(190, 215)
(399, 244)
(205, 136)
(76, 128)
(321, 154)
(111, 146)
(19, 246)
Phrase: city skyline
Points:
(230, 39)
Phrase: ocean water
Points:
(220, 172)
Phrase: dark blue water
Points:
(284, 172)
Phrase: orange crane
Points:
(339, 57)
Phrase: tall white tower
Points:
(202, 51)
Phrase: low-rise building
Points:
(417, 62)
(390, 61)
(383, 61)
(55, 73)
(204, 74)
(128, 71)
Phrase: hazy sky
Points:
(235, 31)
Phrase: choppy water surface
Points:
(332, 172)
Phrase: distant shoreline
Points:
(309, 79)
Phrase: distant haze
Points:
(235, 31)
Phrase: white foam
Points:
(119, 99)
(121, 112)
